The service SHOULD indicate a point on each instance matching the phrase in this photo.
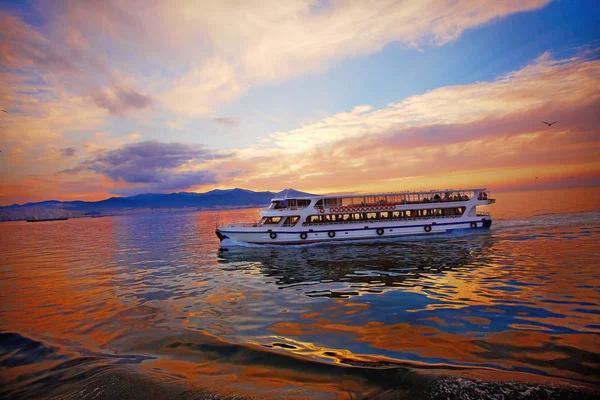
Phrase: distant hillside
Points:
(150, 201)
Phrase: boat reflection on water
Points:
(456, 301)
(367, 267)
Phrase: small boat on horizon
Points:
(314, 219)
(33, 219)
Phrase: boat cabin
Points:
(398, 198)
(374, 207)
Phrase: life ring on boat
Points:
(303, 236)
(331, 234)
(427, 228)
(380, 231)
(321, 210)
(473, 225)
(273, 235)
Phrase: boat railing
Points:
(241, 225)
(283, 208)
(379, 220)
(402, 203)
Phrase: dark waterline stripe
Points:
(359, 229)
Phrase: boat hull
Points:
(332, 233)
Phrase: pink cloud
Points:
(495, 131)
(271, 41)
(119, 101)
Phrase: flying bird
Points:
(4, 111)
(549, 123)
(536, 177)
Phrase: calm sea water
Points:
(149, 306)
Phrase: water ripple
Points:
(86, 300)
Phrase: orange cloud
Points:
(487, 133)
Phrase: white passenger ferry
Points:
(314, 219)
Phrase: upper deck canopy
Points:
(362, 195)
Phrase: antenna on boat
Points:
(286, 193)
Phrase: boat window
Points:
(313, 219)
(386, 215)
(275, 204)
(319, 204)
(452, 211)
(291, 221)
(333, 202)
(272, 220)
(303, 203)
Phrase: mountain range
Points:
(231, 198)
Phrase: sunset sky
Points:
(123, 97)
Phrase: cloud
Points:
(271, 42)
(174, 182)
(554, 84)
(68, 151)
(153, 166)
(226, 121)
(119, 101)
(55, 153)
(57, 56)
(177, 124)
(460, 135)
(23, 47)
(45, 118)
